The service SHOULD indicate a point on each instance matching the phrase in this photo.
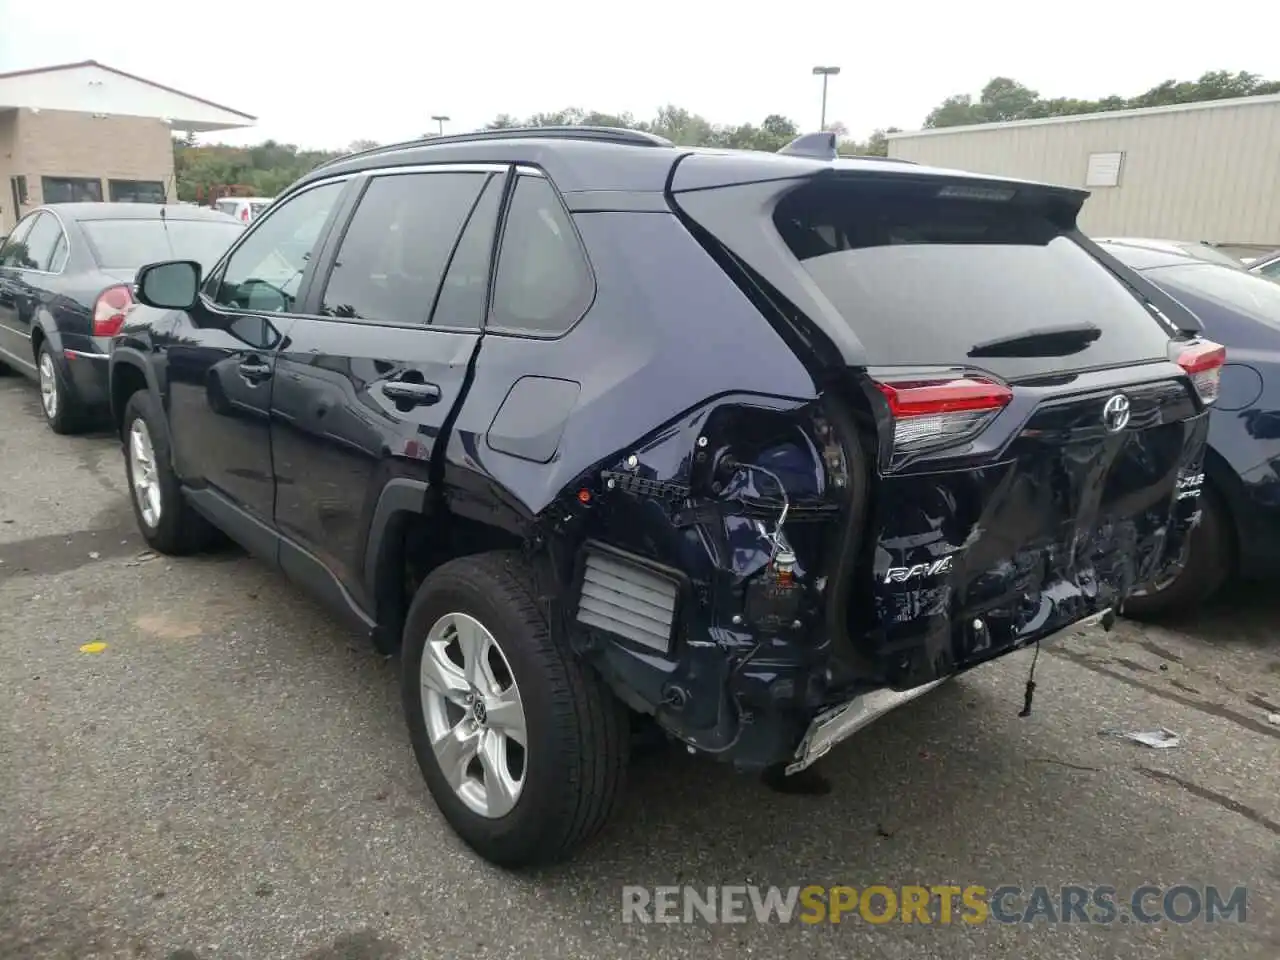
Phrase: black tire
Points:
(577, 731)
(67, 416)
(1209, 566)
(179, 529)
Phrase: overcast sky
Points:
(323, 74)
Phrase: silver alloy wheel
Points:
(48, 385)
(142, 469)
(474, 715)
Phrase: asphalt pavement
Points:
(197, 761)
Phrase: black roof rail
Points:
(618, 135)
(819, 146)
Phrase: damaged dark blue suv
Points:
(593, 427)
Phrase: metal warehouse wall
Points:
(1204, 173)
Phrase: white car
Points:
(244, 209)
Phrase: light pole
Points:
(440, 119)
(824, 72)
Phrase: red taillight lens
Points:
(1203, 361)
(109, 310)
(244, 214)
(932, 413)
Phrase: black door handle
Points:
(415, 394)
(254, 370)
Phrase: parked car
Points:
(592, 427)
(66, 276)
(1189, 248)
(243, 209)
(1239, 530)
(1267, 266)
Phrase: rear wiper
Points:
(1046, 342)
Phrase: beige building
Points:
(83, 131)
(1196, 171)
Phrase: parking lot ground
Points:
(230, 778)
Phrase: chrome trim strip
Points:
(85, 354)
(431, 168)
(839, 723)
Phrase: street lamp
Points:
(824, 72)
(440, 119)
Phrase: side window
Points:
(466, 283)
(265, 272)
(396, 248)
(41, 241)
(14, 251)
(60, 250)
(1271, 271)
(542, 284)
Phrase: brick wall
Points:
(58, 143)
(8, 146)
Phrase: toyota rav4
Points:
(590, 427)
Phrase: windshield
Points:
(925, 280)
(130, 244)
(1235, 290)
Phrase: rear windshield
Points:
(1237, 290)
(129, 244)
(924, 280)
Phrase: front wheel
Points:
(166, 520)
(1209, 563)
(523, 748)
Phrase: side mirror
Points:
(171, 285)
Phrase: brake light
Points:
(933, 413)
(1203, 361)
(244, 214)
(109, 310)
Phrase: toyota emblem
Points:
(1115, 415)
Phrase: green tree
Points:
(1006, 99)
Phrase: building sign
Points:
(1104, 169)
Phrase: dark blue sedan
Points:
(1239, 532)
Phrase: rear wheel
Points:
(523, 748)
(168, 523)
(61, 411)
(1209, 565)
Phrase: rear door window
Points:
(41, 242)
(543, 284)
(927, 280)
(395, 251)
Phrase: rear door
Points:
(27, 279)
(15, 348)
(1033, 432)
(366, 382)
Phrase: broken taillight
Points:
(109, 310)
(934, 413)
(1203, 361)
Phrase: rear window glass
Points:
(1236, 290)
(924, 280)
(129, 244)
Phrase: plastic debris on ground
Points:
(1161, 739)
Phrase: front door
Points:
(365, 385)
(221, 365)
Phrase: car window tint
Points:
(542, 284)
(927, 279)
(465, 289)
(58, 259)
(130, 244)
(14, 252)
(41, 241)
(395, 250)
(265, 272)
